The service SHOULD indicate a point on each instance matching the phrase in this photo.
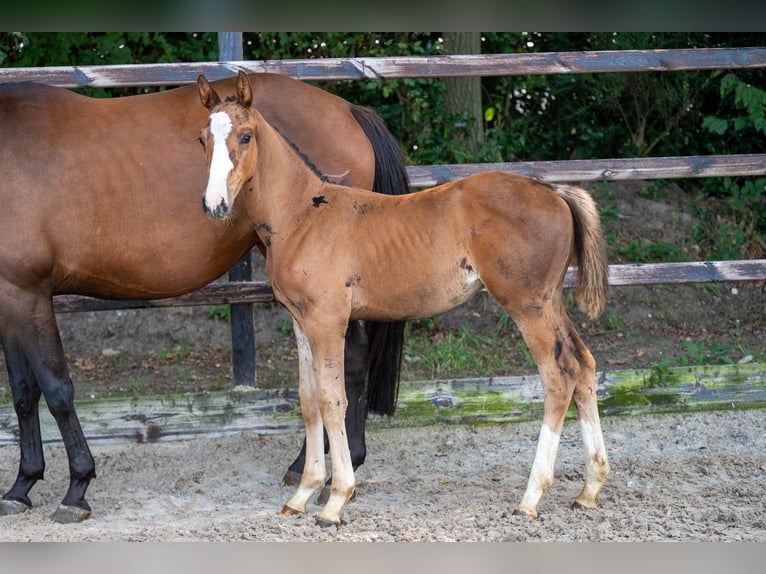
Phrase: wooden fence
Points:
(237, 292)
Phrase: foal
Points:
(415, 256)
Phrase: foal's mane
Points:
(306, 159)
(344, 181)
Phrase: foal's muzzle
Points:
(221, 211)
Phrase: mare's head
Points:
(229, 141)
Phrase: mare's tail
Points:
(589, 250)
(386, 339)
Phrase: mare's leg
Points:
(564, 365)
(314, 470)
(31, 325)
(26, 400)
(356, 363)
(586, 401)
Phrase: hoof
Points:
(580, 506)
(291, 478)
(70, 514)
(528, 514)
(289, 511)
(324, 523)
(11, 507)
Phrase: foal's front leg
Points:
(333, 404)
(314, 471)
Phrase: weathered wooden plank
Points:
(599, 169)
(260, 291)
(231, 292)
(684, 272)
(501, 399)
(399, 67)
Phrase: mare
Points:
(431, 251)
(100, 197)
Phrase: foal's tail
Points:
(589, 250)
(386, 340)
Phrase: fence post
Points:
(241, 316)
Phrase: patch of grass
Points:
(284, 326)
(179, 354)
(219, 312)
(613, 321)
(647, 251)
(459, 354)
(660, 375)
(656, 191)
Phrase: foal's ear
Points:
(207, 94)
(244, 90)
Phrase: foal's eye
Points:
(245, 139)
(201, 141)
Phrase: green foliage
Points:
(645, 251)
(700, 353)
(89, 48)
(748, 99)
(735, 226)
(738, 229)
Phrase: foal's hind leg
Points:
(585, 399)
(566, 368)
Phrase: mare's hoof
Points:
(289, 511)
(11, 507)
(291, 478)
(520, 512)
(70, 514)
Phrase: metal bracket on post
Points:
(241, 316)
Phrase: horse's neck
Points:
(283, 181)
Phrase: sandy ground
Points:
(678, 477)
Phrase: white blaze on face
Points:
(220, 164)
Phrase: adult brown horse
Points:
(430, 252)
(100, 197)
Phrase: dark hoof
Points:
(323, 523)
(519, 512)
(579, 506)
(70, 514)
(11, 507)
(291, 478)
(288, 511)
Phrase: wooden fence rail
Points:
(398, 67)
(243, 292)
